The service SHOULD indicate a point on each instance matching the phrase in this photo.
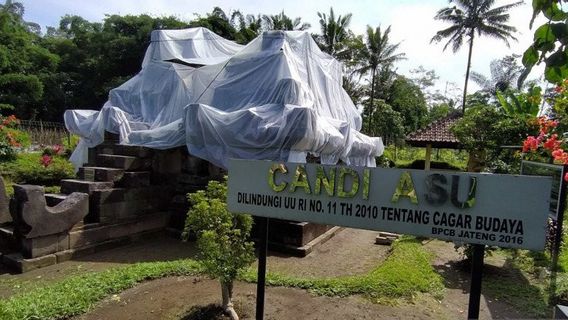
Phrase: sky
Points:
(411, 22)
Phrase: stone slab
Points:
(20, 264)
(74, 185)
(123, 162)
(81, 238)
(135, 179)
(130, 194)
(294, 233)
(116, 211)
(100, 174)
(306, 249)
(41, 246)
(124, 150)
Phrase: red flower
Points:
(566, 177)
(46, 160)
(552, 143)
(530, 144)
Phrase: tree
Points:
(249, 26)
(388, 123)
(407, 99)
(549, 44)
(282, 22)
(376, 52)
(333, 31)
(96, 57)
(218, 22)
(24, 64)
(504, 75)
(223, 238)
(468, 17)
(484, 129)
(439, 111)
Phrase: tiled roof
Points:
(436, 133)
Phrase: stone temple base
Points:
(82, 241)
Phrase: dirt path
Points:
(173, 298)
(349, 252)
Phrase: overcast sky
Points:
(411, 21)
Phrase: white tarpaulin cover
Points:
(277, 98)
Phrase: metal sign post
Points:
(475, 281)
(261, 275)
(481, 209)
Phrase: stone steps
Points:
(123, 162)
(118, 194)
(120, 177)
(122, 150)
(135, 179)
(69, 186)
(100, 174)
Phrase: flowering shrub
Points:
(11, 138)
(46, 160)
(549, 144)
(28, 168)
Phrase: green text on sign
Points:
(499, 210)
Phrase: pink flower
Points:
(58, 149)
(566, 177)
(45, 160)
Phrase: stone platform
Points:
(131, 192)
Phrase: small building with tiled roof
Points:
(436, 135)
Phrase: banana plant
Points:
(520, 103)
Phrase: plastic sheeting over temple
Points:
(278, 98)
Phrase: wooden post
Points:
(428, 156)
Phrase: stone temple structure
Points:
(197, 95)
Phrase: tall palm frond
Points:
(470, 17)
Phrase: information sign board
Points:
(500, 210)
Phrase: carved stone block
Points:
(35, 219)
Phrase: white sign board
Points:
(500, 210)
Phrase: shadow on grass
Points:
(500, 284)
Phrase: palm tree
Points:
(249, 26)
(333, 31)
(504, 74)
(282, 22)
(469, 16)
(376, 53)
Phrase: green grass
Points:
(78, 294)
(404, 156)
(404, 273)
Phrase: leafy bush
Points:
(28, 168)
(222, 237)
